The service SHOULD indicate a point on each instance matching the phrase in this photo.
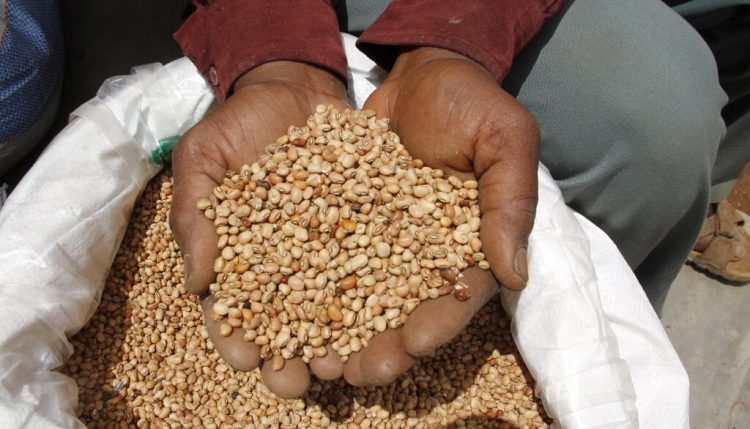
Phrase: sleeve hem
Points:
(383, 49)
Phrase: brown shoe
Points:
(722, 247)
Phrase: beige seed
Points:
(383, 250)
(296, 283)
(393, 302)
(313, 331)
(282, 338)
(219, 265)
(225, 330)
(392, 313)
(416, 211)
(355, 344)
(347, 160)
(277, 363)
(349, 319)
(203, 204)
(296, 297)
(220, 309)
(372, 301)
(421, 191)
(358, 262)
(380, 323)
(227, 253)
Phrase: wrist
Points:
(301, 76)
(411, 58)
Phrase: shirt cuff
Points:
(489, 32)
(226, 38)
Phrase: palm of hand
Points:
(237, 132)
(451, 114)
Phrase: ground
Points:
(706, 319)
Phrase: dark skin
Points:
(450, 113)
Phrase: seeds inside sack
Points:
(145, 360)
(335, 234)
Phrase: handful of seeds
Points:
(336, 234)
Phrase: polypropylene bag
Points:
(583, 325)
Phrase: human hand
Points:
(451, 114)
(265, 102)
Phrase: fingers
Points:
(506, 159)
(352, 373)
(291, 381)
(328, 367)
(194, 233)
(438, 321)
(239, 354)
(384, 359)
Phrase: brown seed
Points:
(348, 282)
(462, 294)
(445, 289)
(335, 313)
(348, 225)
(448, 275)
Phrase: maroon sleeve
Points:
(490, 32)
(226, 38)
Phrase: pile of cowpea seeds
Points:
(335, 234)
(145, 361)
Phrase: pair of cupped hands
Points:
(450, 113)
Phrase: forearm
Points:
(226, 38)
(490, 32)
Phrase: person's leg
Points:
(725, 25)
(628, 102)
(356, 15)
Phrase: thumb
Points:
(505, 162)
(193, 232)
(377, 101)
(437, 322)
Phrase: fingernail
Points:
(519, 263)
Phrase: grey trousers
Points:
(627, 97)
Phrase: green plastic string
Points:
(163, 152)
